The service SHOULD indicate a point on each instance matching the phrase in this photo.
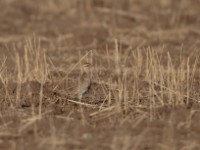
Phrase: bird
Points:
(85, 81)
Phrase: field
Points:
(144, 69)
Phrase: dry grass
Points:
(144, 90)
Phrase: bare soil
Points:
(144, 93)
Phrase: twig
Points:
(83, 104)
(102, 111)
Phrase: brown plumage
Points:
(85, 82)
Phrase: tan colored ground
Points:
(145, 66)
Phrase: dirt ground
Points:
(144, 90)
